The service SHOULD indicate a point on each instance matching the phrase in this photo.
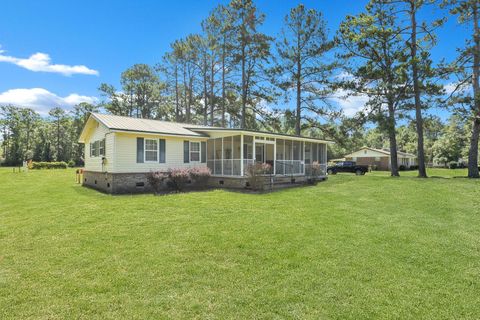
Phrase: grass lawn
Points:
(352, 247)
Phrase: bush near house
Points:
(255, 175)
(200, 175)
(157, 180)
(177, 179)
(47, 165)
(315, 172)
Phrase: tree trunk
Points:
(190, 98)
(205, 96)
(299, 90)
(473, 152)
(58, 139)
(244, 91)
(422, 172)
(185, 93)
(177, 113)
(212, 87)
(223, 84)
(393, 141)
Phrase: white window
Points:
(151, 150)
(377, 158)
(194, 151)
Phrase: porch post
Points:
(302, 144)
(275, 156)
(254, 155)
(284, 156)
(241, 155)
(222, 156)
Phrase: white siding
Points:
(100, 132)
(366, 153)
(125, 159)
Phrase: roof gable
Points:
(369, 152)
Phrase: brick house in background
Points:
(380, 158)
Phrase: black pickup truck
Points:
(347, 166)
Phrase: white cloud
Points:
(42, 100)
(452, 86)
(41, 62)
(350, 104)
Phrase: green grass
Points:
(352, 247)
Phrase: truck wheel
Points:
(330, 172)
(359, 172)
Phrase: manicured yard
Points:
(353, 247)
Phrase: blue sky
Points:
(90, 42)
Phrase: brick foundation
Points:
(128, 183)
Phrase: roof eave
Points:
(244, 131)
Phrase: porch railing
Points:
(289, 167)
(225, 167)
(232, 167)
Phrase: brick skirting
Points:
(128, 183)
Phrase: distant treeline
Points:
(231, 74)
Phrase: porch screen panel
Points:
(296, 150)
(314, 152)
(280, 149)
(321, 153)
(211, 155)
(248, 147)
(308, 148)
(227, 155)
(288, 150)
(247, 152)
(237, 156)
(218, 156)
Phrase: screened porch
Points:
(286, 157)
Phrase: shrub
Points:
(402, 167)
(157, 180)
(200, 175)
(453, 165)
(48, 165)
(71, 164)
(255, 174)
(315, 171)
(414, 167)
(178, 178)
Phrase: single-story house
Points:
(121, 151)
(380, 158)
